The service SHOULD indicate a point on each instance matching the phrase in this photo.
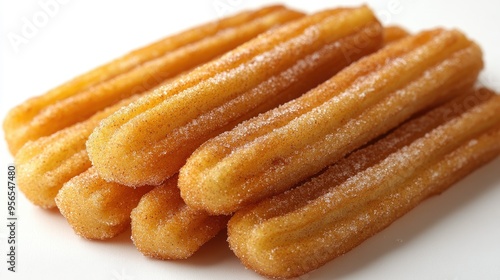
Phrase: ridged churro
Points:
(150, 140)
(278, 149)
(97, 209)
(298, 231)
(164, 227)
(136, 72)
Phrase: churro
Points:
(150, 140)
(278, 149)
(136, 72)
(164, 227)
(298, 231)
(97, 209)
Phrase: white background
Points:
(452, 236)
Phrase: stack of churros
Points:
(303, 134)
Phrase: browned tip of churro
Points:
(164, 227)
(278, 149)
(394, 33)
(151, 139)
(297, 231)
(133, 73)
(97, 209)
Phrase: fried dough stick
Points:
(300, 230)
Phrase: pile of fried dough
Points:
(304, 135)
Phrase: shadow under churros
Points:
(405, 229)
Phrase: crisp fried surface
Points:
(151, 139)
(164, 227)
(280, 148)
(97, 209)
(295, 232)
(133, 73)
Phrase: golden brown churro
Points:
(136, 72)
(164, 227)
(298, 231)
(97, 209)
(151, 139)
(272, 152)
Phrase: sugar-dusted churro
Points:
(278, 149)
(298, 231)
(136, 72)
(164, 227)
(151, 139)
(97, 209)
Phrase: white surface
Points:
(452, 236)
